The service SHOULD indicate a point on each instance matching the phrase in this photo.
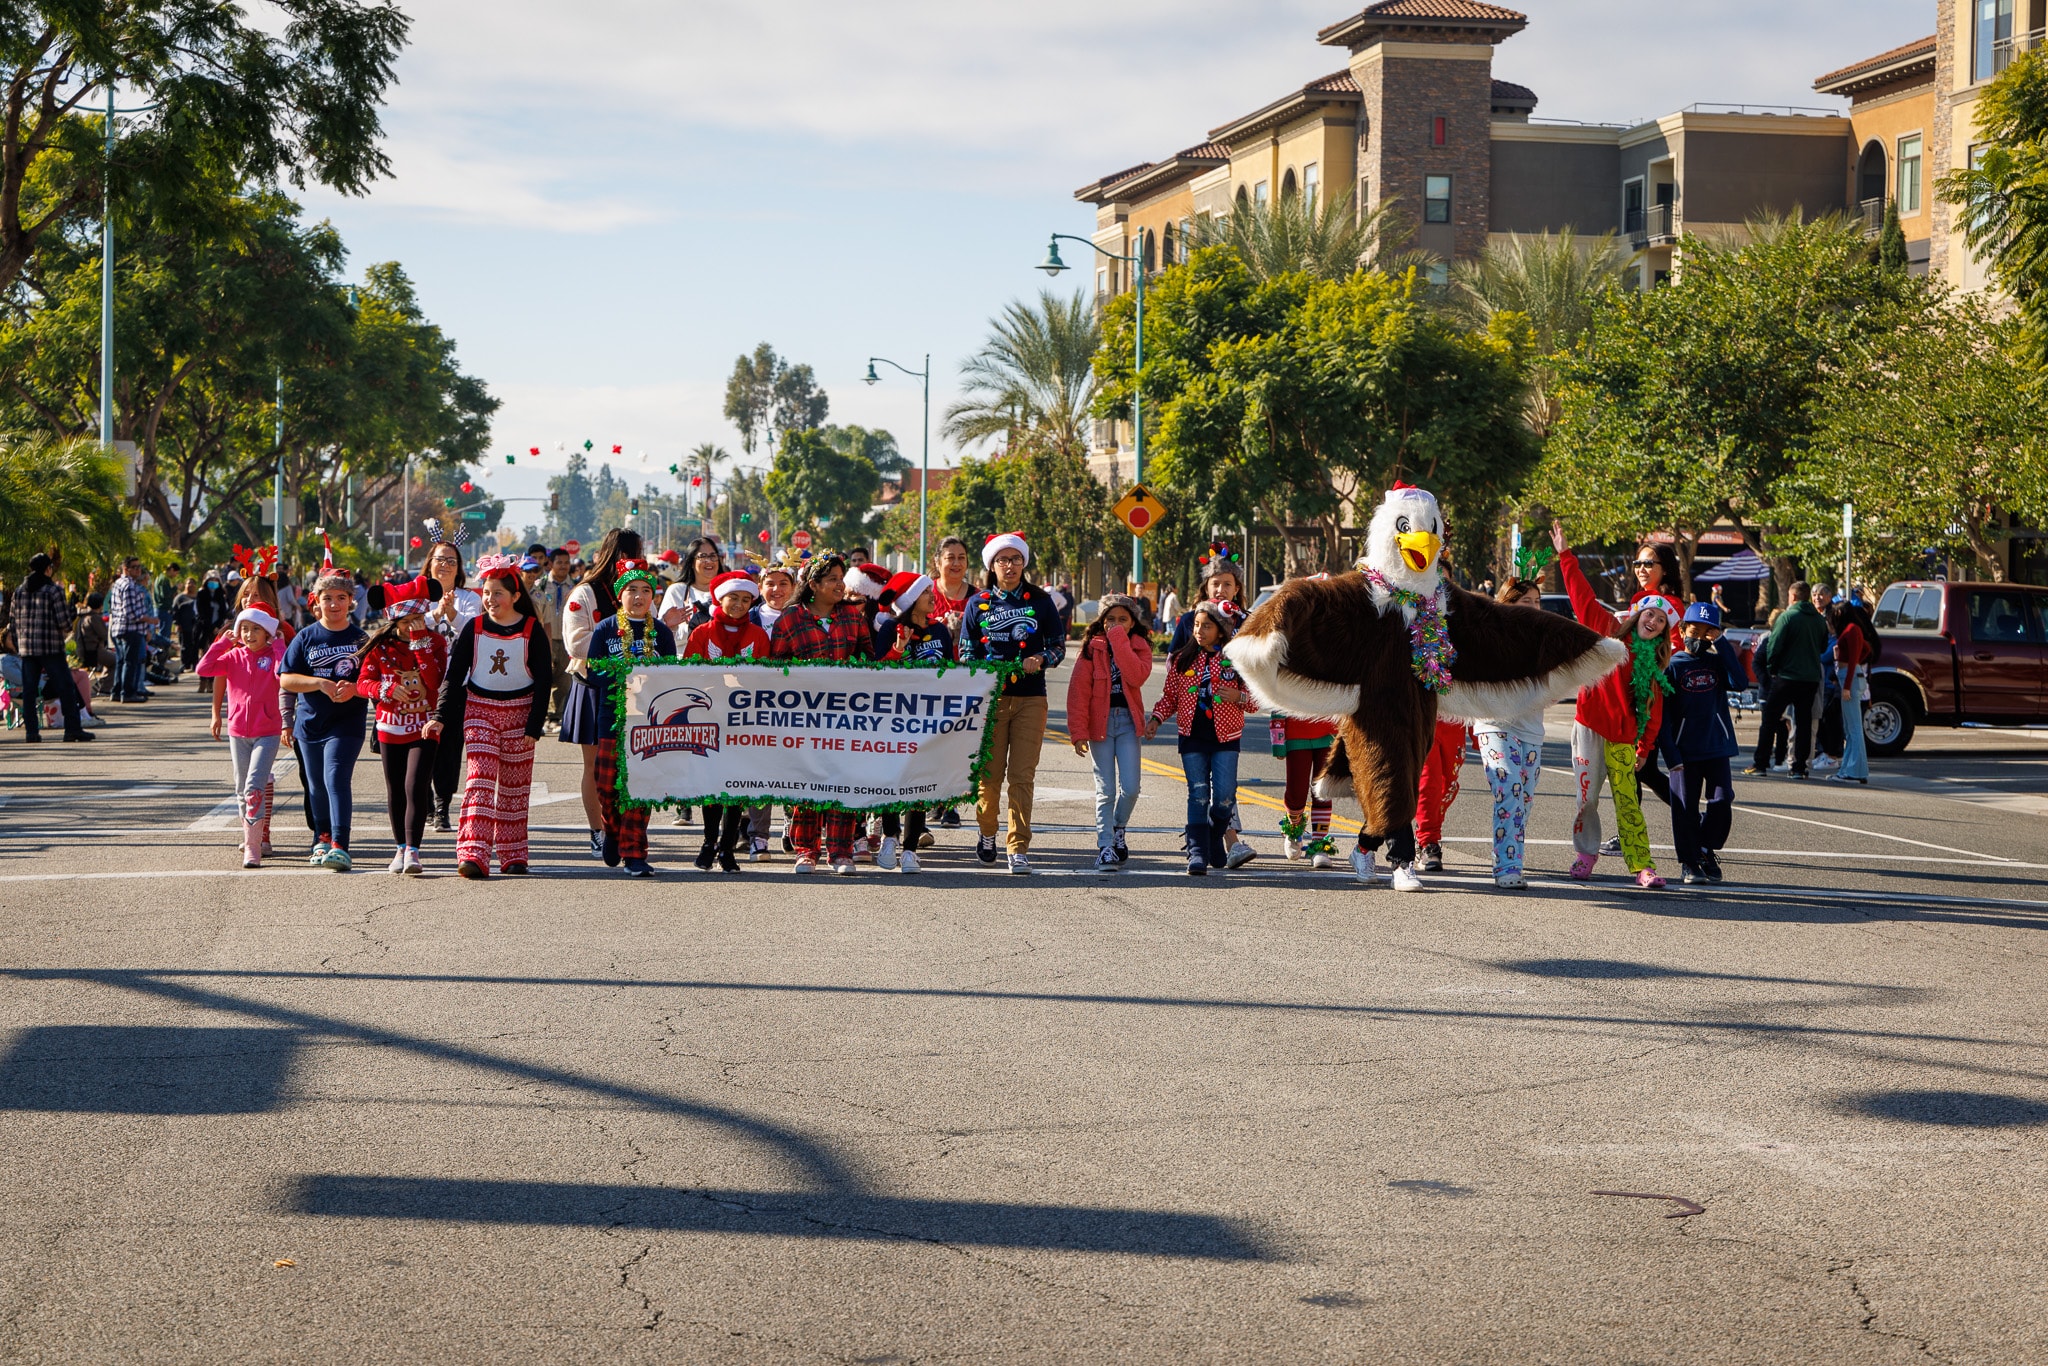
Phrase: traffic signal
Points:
(633, 508)
(554, 502)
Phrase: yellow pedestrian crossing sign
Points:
(1139, 510)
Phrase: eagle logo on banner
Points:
(672, 728)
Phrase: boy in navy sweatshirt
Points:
(1697, 739)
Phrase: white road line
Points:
(169, 872)
(225, 815)
(1846, 829)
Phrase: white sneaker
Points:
(1106, 861)
(909, 863)
(412, 862)
(805, 863)
(1322, 860)
(1781, 768)
(1362, 867)
(1238, 855)
(860, 847)
(843, 867)
(1020, 865)
(1513, 882)
(397, 862)
(759, 850)
(1823, 763)
(1405, 879)
(886, 856)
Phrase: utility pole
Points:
(107, 284)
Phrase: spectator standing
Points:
(1796, 646)
(1852, 664)
(39, 616)
(551, 601)
(130, 617)
(185, 617)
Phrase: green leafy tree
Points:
(574, 515)
(815, 485)
(1322, 237)
(973, 505)
(1891, 242)
(62, 496)
(2003, 198)
(800, 405)
(1932, 429)
(1688, 405)
(750, 395)
(1051, 496)
(1035, 371)
(231, 101)
(1299, 399)
(877, 445)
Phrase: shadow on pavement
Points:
(1955, 1109)
(845, 1215)
(147, 1070)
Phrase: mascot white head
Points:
(1404, 542)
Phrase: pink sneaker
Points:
(1649, 881)
(1582, 867)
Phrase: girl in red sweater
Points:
(1615, 728)
(730, 634)
(1208, 701)
(403, 662)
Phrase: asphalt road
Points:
(300, 1116)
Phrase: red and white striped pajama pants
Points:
(497, 778)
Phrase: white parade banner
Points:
(859, 737)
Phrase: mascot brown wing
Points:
(1320, 648)
(1513, 659)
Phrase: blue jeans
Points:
(1212, 781)
(131, 653)
(1855, 759)
(328, 765)
(1116, 776)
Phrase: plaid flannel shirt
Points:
(42, 618)
(129, 608)
(801, 633)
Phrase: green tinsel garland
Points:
(619, 668)
(1646, 674)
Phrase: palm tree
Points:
(1320, 237)
(61, 495)
(1037, 370)
(1556, 281)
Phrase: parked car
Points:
(1955, 654)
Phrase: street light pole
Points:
(107, 285)
(277, 531)
(1053, 265)
(924, 478)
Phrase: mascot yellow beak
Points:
(1419, 548)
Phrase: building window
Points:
(1364, 195)
(1310, 179)
(1994, 37)
(1436, 199)
(1909, 175)
(1186, 238)
(1101, 282)
(1242, 201)
(1870, 175)
(1166, 246)
(1437, 273)
(1147, 241)
(1262, 194)
(1632, 207)
(1287, 187)
(1632, 279)
(1439, 131)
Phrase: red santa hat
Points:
(868, 580)
(1001, 541)
(906, 588)
(734, 581)
(669, 557)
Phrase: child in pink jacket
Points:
(1104, 703)
(248, 660)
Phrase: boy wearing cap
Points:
(1697, 739)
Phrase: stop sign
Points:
(572, 546)
(800, 539)
(1139, 519)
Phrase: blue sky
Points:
(606, 202)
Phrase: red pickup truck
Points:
(1956, 653)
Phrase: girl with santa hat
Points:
(590, 603)
(404, 659)
(823, 623)
(496, 696)
(916, 636)
(730, 634)
(1012, 621)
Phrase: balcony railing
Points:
(2005, 49)
(1632, 222)
(1658, 221)
(1871, 212)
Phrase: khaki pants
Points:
(560, 655)
(1019, 737)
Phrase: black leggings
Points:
(906, 826)
(447, 766)
(409, 769)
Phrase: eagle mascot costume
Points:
(1384, 649)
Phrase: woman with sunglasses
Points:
(1656, 571)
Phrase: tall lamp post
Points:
(924, 478)
(107, 272)
(1053, 265)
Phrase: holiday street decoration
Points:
(1383, 650)
(1532, 560)
(256, 563)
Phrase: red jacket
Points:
(719, 639)
(1185, 686)
(1088, 686)
(1608, 708)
